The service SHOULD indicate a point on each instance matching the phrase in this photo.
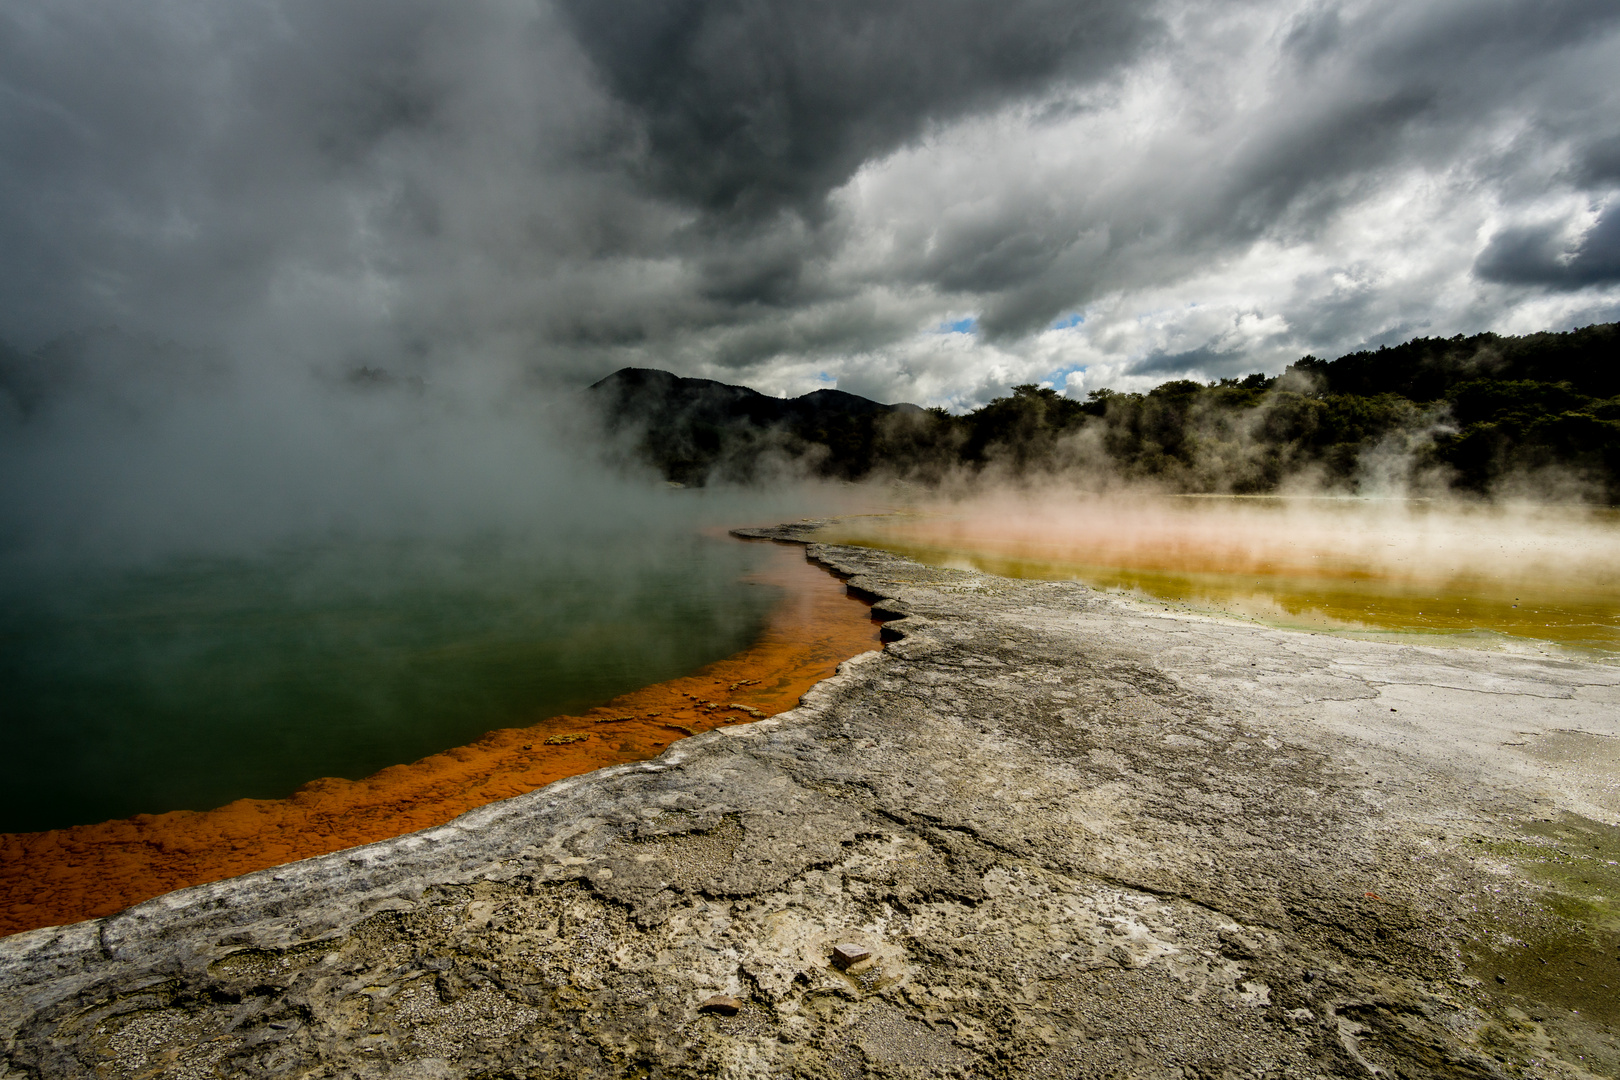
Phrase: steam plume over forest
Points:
(1475, 414)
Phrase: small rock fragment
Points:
(724, 1004)
(1502, 979)
(1238, 945)
(564, 740)
(1124, 957)
(847, 955)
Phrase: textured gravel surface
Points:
(1078, 837)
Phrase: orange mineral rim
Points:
(86, 871)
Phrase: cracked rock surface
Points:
(1077, 838)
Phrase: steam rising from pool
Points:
(223, 580)
(1538, 571)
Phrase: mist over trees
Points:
(1487, 414)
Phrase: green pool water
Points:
(187, 683)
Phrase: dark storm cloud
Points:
(182, 169)
(751, 106)
(1598, 164)
(1543, 254)
(1537, 255)
(1203, 360)
(996, 253)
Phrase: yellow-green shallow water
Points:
(1581, 612)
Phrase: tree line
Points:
(1477, 413)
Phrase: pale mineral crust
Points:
(1077, 837)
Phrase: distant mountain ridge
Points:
(638, 387)
(693, 430)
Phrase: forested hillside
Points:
(696, 430)
(1477, 413)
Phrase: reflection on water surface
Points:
(1357, 566)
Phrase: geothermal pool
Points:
(183, 721)
(193, 682)
(509, 654)
(1472, 574)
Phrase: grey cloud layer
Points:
(1542, 255)
(751, 107)
(770, 190)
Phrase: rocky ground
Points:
(1056, 833)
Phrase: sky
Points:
(918, 201)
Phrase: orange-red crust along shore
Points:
(65, 875)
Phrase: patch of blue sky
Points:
(968, 325)
(1058, 378)
(1069, 321)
